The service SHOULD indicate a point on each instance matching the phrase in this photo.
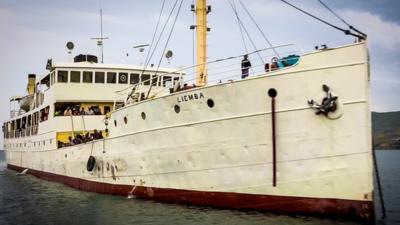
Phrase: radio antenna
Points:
(101, 38)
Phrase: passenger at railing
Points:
(87, 137)
(96, 111)
(60, 144)
(274, 64)
(90, 111)
(266, 67)
(57, 113)
(142, 97)
(78, 139)
(75, 111)
(82, 112)
(100, 135)
(70, 141)
(68, 112)
(246, 64)
(95, 135)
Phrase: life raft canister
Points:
(90, 163)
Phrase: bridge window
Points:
(134, 78)
(111, 77)
(99, 77)
(167, 81)
(146, 79)
(156, 80)
(107, 109)
(87, 77)
(123, 78)
(75, 76)
(62, 76)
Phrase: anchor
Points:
(328, 104)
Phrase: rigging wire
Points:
(154, 35)
(165, 46)
(244, 28)
(157, 42)
(340, 18)
(193, 37)
(347, 32)
(162, 31)
(240, 28)
(259, 29)
(378, 180)
(241, 31)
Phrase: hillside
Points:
(386, 130)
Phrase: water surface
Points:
(28, 200)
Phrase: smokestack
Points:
(31, 84)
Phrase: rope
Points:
(72, 124)
(347, 32)
(240, 28)
(91, 151)
(247, 33)
(378, 181)
(165, 46)
(193, 37)
(84, 125)
(259, 29)
(158, 40)
(340, 18)
(155, 32)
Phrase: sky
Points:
(33, 31)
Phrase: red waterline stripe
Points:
(352, 209)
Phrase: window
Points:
(99, 77)
(87, 77)
(107, 109)
(167, 81)
(44, 114)
(134, 78)
(156, 80)
(75, 76)
(111, 77)
(62, 76)
(146, 79)
(123, 78)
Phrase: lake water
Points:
(28, 200)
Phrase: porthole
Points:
(210, 103)
(115, 123)
(143, 115)
(272, 93)
(177, 108)
(125, 120)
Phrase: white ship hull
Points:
(222, 155)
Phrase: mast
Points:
(201, 69)
(101, 38)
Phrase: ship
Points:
(293, 137)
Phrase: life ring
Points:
(90, 163)
(123, 77)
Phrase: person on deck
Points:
(245, 66)
(68, 112)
